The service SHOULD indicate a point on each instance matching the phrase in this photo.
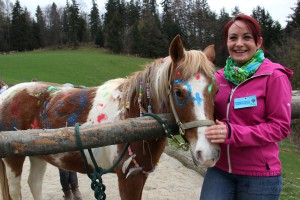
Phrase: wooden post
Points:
(295, 107)
(51, 141)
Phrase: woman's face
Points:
(240, 43)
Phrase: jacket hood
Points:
(268, 67)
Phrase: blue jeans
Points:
(220, 185)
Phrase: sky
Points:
(278, 9)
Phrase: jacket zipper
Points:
(227, 116)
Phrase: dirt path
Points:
(171, 180)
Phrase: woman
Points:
(253, 113)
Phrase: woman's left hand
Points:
(216, 133)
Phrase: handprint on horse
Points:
(181, 83)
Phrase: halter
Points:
(187, 125)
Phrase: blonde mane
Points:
(157, 74)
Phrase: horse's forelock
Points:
(195, 62)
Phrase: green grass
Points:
(88, 67)
(290, 158)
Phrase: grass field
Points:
(88, 67)
(91, 67)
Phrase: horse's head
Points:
(192, 89)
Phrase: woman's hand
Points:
(216, 133)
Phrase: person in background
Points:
(253, 113)
(69, 183)
(69, 179)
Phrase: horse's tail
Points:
(3, 181)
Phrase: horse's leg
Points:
(3, 181)
(36, 176)
(13, 168)
(132, 187)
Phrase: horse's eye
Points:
(178, 93)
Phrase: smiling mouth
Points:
(240, 51)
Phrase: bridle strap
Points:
(198, 123)
(188, 125)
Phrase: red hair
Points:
(250, 22)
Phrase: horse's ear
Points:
(176, 49)
(210, 52)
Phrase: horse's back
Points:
(33, 105)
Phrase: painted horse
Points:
(184, 77)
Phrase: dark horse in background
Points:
(184, 77)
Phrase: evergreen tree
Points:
(203, 21)
(65, 22)
(293, 24)
(288, 53)
(220, 45)
(182, 13)
(20, 33)
(271, 30)
(113, 27)
(131, 34)
(74, 23)
(55, 26)
(94, 22)
(152, 42)
(39, 28)
(236, 10)
(4, 27)
(83, 35)
(170, 28)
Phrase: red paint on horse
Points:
(101, 118)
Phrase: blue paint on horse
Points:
(189, 90)
(198, 99)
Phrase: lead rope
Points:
(96, 177)
(167, 131)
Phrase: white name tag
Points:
(245, 102)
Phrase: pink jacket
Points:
(251, 146)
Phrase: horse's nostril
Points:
(199, 156)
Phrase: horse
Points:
(181, 83)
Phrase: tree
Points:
(293, 24)
(4, 26)
(83, 33)
(236, 10)
(55, 26)
(94, 22)
(113, 26)
(152, 42)
(220, 45)
(74, 24)
(288, 52)
(39, 29)
(170, 27)
(20, 33)
(271, 30)
(131, 35)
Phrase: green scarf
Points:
(236, 75)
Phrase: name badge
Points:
(245, 102)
